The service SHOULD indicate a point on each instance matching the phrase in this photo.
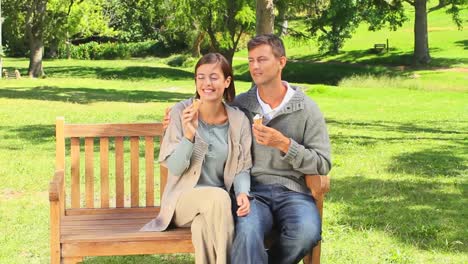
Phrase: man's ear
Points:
(283, 61)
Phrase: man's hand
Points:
(244, 205)
(167, 118)
(189, 122)
(270, 137)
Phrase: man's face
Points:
(264, 66)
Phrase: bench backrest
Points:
(104, 149)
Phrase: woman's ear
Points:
(227, 82)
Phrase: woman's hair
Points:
(216, 58)
(271, 40)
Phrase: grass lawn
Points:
(399, 137)
(400, 157)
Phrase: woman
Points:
(206, 148)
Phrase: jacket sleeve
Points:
(242, 178)
(314, 155)
(173, 137)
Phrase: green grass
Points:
(399, 137)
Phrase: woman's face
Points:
(210, 82)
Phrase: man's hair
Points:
(271, 40)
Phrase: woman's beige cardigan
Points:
(238, 159)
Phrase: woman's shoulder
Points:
(236, 115)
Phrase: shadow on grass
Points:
(362, 58)
(133, 72)
(403, 127)
(429, 163)
(86, 95)
(418, 212)
(462, 43)
(317, 72)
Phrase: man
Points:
(291, 142)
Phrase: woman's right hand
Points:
(167, 118)
(189, 122)
(244, 205)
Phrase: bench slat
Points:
(113, 130)
(89, 172)
(75, 172)
(152, 246)
(98, 211)
(149, 169)
(104, 159)
(130, 213)
(134, 166)
(119, 172)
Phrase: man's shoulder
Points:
(240, 100)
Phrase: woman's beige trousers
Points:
(208, 211)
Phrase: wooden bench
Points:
(100, 214)
(380, 47)
(11, 74)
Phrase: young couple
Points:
(211, 157)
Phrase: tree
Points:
(332, 22)
(35, 25)
(421, 42)
(223, 21)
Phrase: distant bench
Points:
(11, 74)
(379, 47)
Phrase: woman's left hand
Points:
(244, 205)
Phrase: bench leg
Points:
(314, 256)
(72, 260)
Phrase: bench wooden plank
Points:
(75, 172)
(119, 172)
(113, 130)
(135, 168)
(129, 214)
(93, 211)
(149, 169)
(89, 172)
(127, 248)
(104, 159)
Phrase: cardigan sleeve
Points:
(242, 178)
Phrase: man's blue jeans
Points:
(295, 217)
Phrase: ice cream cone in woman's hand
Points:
(196, 104)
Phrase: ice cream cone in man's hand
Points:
(258, 119)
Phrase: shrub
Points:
(113, 50)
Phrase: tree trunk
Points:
(196, 44)
(265, 17)
(35, 58)
(421, 43)
(35, 23)
(282, 17)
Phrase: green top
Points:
(212, 171)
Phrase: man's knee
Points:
(305, 234)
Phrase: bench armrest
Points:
(319, 185)
(55, 186)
